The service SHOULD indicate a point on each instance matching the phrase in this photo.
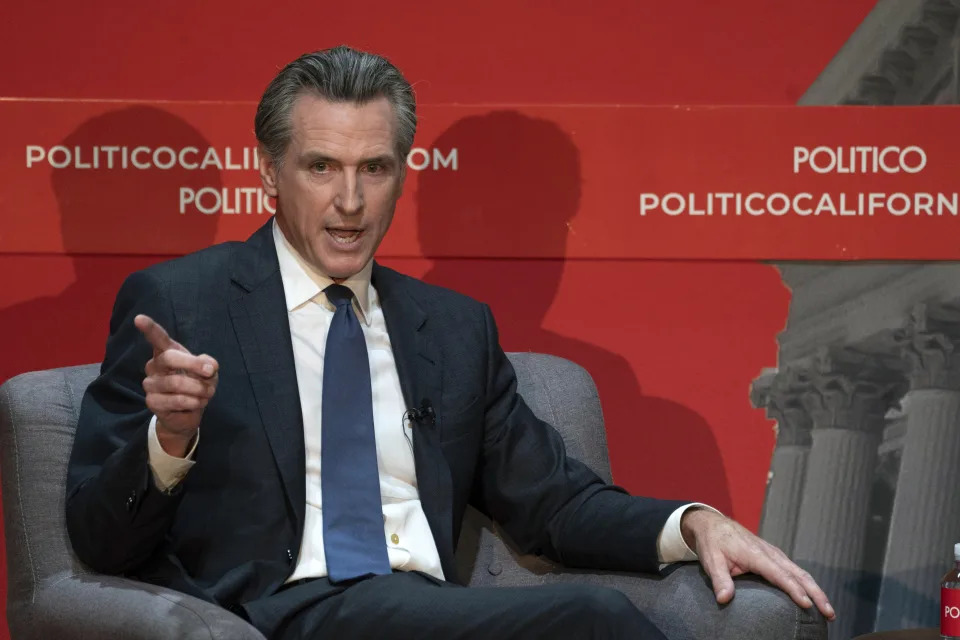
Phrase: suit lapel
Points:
(420, 371)
(259, 316)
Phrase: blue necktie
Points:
(353, 537)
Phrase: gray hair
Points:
(340, 74)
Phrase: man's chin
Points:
(341, 270)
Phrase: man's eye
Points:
(320, 167)
(374, 167)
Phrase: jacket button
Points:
(131, 499)
(495, 568)
(289, 555)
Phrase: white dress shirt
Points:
(410, 543)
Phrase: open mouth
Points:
(345, 236)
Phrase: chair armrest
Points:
(94, 606)
(682, 604)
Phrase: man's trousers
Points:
(404, 605)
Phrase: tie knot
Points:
(338, 294)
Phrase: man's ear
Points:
(268, 172)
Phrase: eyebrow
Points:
(311, 157)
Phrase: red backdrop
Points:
(674, 344)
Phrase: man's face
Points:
(339, 182)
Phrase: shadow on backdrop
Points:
(517, 187)
(123, 210)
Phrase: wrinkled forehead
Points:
(346, 131)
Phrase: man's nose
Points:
(349, 199)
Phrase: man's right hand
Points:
(178, 386)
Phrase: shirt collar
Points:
(302, 282)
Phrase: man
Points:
(277, 473)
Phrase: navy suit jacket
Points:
(230, 532)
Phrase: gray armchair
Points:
(52, 595)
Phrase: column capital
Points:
(781, 394)
(930, 345)
(852, 389)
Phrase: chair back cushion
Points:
(38, 418)
(563, 394)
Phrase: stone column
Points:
(851, 392)
(781, 395)
(925, 522)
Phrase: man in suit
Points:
(310, 468)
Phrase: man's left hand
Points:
(727, 549)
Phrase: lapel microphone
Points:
(424, 414)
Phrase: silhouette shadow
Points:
(517, 187)
(101, 209)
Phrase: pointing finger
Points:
(156, 335)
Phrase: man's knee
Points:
(604, 612)
(608, 603)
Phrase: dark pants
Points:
(412, 605)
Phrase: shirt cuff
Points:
(167, 470)
(670, 544)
